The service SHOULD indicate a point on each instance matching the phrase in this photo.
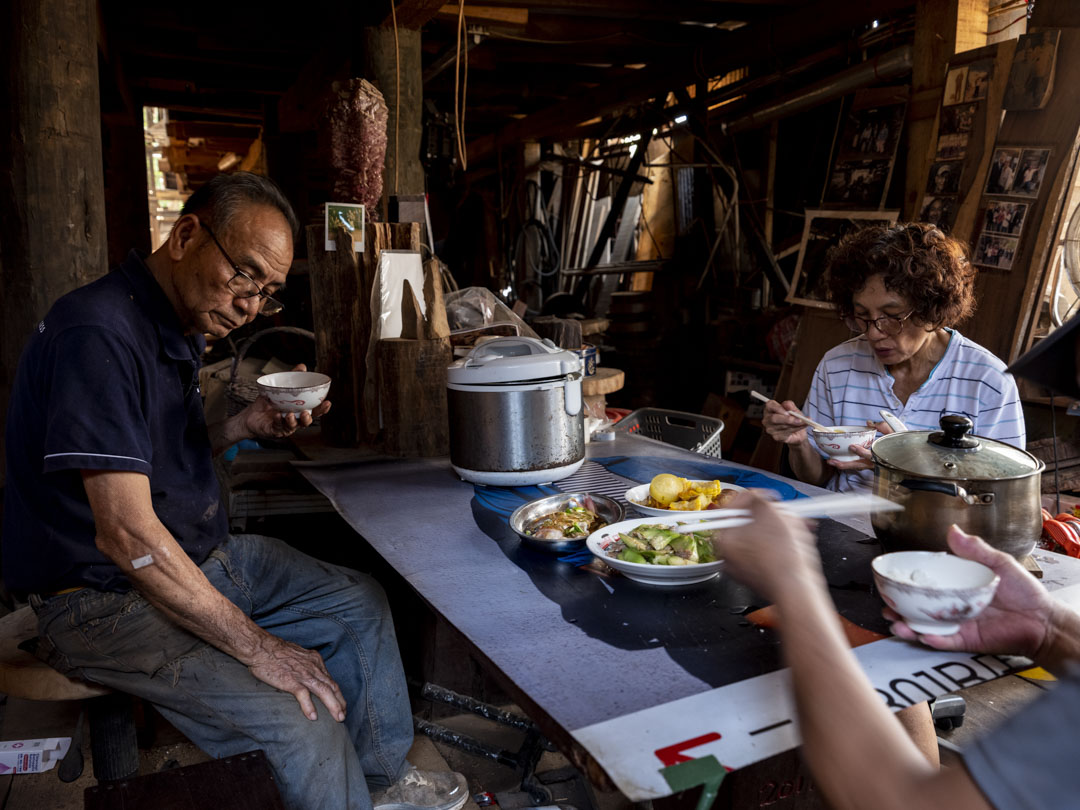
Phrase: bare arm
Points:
(128, 529)
(807, 463)
(857, 751)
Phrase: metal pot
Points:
(516, 413)
(986, 487)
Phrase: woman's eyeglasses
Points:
(887, 324)
(244, 286)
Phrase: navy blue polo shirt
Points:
(107, 381)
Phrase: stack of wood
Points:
(341, 283)
(412, 374)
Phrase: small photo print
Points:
(871, 133)
(939, 211)
(944, 177)
(978, 80)
(952, 147)
(955, 86)
(1029, 174)
(995, 251)
(1004, 217)
(958, 118)
(349, 216)
(860, 182)
(1003, 166)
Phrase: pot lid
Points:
(953, 453)
(512, 359)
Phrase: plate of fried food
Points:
(669, 494)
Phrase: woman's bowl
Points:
(293, 391)
(837, 442)
(934, 591)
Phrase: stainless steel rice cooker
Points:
(516, 413)
(947, 476)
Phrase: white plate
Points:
(636, 497)
(666, 575)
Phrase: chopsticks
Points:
(797, 415)
(822, 506)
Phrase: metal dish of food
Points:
(562, 522)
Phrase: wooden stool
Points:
(112, 724)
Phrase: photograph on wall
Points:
(954, 129)
(978, 80)
(944, 177)
(1031, 78)
(821, 232)
(349, 216)
(1003, 166)
(995, 251)
(939, 211)
(1004, 217)
(955, 86)
(871, 134)
(862, 183)
(1029, 172)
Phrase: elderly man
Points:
(858, 753)
(114, 530)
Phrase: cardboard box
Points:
(32, 756)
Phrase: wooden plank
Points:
(514, 16)
(412, 390)
(1009, 298)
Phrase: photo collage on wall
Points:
(866, 150)
(965, 89)
(1016, 172)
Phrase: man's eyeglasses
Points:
(887, 324)
(244, 286)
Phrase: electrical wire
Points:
(461, 79)
(397, 94)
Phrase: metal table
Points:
(627, 678)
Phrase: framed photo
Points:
(821, 232)
(939, 211)
(955, 86)
(978, 80)
(349, 216)
(1029, 173)
(860, 183)
(1031, 78)
(871, 133)
(995, 251)
(1003, 166)
(1004, 217)
(944, 177)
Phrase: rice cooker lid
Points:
(952, 453)
(511, 360)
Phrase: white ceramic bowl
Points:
(637, 496)
(934, 591)
(294, 390)
(837, 444)
(663, 575)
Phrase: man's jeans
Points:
(121, 641)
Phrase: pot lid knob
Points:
(954, 433)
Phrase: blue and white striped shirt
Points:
(852, 386)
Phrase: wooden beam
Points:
(512, 16)
(805, 26)
(413, 14)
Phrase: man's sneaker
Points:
(424, 790)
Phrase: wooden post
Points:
(942, 28)
(391, 68)
(51, 188)
(412, 387)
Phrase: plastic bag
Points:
(475, 312)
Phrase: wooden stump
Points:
(412, 382)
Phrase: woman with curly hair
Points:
(900, 289)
